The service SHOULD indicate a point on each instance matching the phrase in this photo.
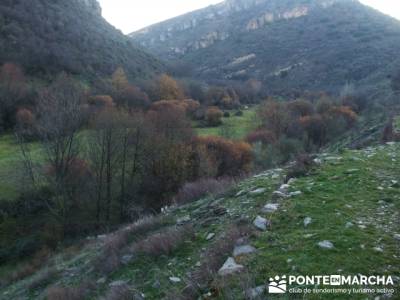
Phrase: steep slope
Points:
(303, 44)
(49, 36)
(351, 201)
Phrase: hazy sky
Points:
(131, 15)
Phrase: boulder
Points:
(258, 191)
(326, 245)
(270, 208)
(230, 267)
(175, 279)
(243, 250)
(307, 221)
(261, 223)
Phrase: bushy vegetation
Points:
(71, 36)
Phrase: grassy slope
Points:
(355, 186)
(236, 127)
(10, 161)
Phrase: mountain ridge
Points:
(281, 43)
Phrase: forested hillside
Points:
(46, 36)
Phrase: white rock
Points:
(397, 236)
(183, 220)
(210, 236)
(243, 250)
(261, 223)
(240, 193)
(326, 244)
(117, 283)
(378, 249)
(307, 221)
(284, 188)
(230, 267)
(270, 208)
(198, 264)
(256, 292)
(102, 280)
(280, 194)
(291, 181)
(175, 279)
(349, 224)
(258, 191)
(296, 193)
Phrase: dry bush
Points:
(264, 136)
(301, 167)
(29, 268)
(214, 116)
(109, 259)
(70, 293)
(120, 292)
(206, 186)
(43, 279)
(229, 158)
(165, 242)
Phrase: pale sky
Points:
(131, 15)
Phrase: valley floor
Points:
(341, 219)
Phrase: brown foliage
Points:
(227, 157)
(300, 108)
(214, 116)
(168, 88)
(101, 101)
(264, 136)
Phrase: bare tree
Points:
(59, 119)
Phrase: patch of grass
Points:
(235, 127)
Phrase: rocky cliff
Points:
(287, 44)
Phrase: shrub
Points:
(227, 114)
(264, 136)
(206, 186)
(70, 293)
(213, 116)
(121, 292)
(239, 113)
(163, 243)
(227, 157)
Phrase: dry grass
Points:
(70, 293)
(207, 186)
(165, 242)
(120, 292)
(115, 244)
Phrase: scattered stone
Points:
(362, 226)
(210, 236)
(275, 176)
(230, 267)
(126, 259)
(243, 250)
(183, 220)
(261, 223)
(349, 224)
(397, 236)
(284, 188)
(289, 260)
(118, 283)
(309, 235)
(175, 279)
(240, 193)
(351, 171)
(258, 191)
(291, 181)
(296, 193)
(307, 221)
(326, 244)
(256, 292)
(318, 161)
(270, 208)
(156, 285)
(378, 249)
(102, 280)
(279, 194)
(198, 264)
(349, 206)
(380, 188)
